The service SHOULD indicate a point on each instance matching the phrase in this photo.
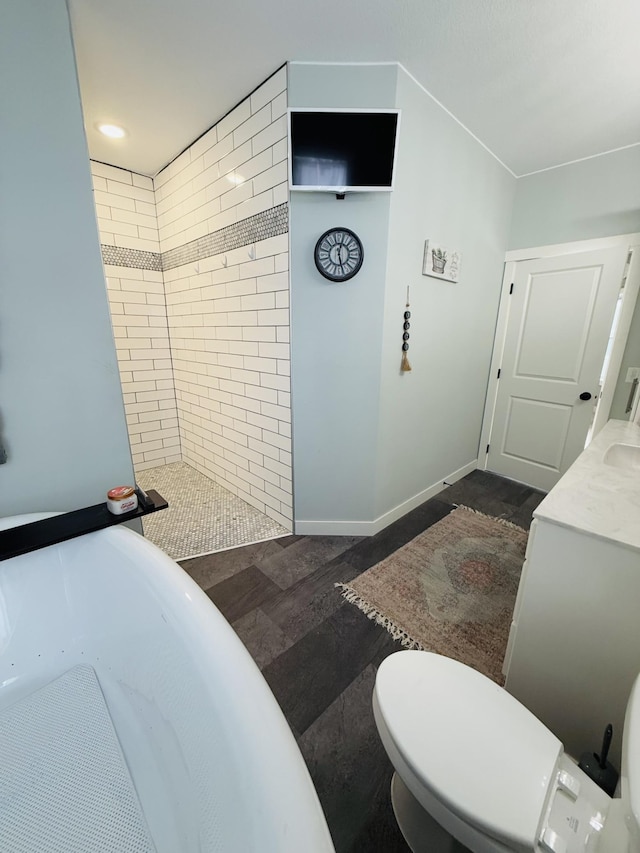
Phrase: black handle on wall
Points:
(632, 394)
(585, 395)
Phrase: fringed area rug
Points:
(450, 590)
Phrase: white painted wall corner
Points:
(370, 528)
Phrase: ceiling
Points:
(539, 82)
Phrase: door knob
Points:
(585, 395)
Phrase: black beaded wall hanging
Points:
(405, 367)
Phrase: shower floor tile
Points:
(202, 517)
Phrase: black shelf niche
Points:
(69, 525)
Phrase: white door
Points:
(560, 316)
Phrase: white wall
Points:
(128, 225)
(223, 222)
(631, 358)
(451, 190)
(337, 328)
(368, 439)
(599, 197)
(60, 399)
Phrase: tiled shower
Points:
(196, 261)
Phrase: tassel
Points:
(405, 367)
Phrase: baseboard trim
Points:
(370, 528)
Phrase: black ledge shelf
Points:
(69, 525)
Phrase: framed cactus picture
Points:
(440, 262)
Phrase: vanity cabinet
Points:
(574, 645)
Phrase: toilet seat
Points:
(492, 762)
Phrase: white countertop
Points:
(596, 498)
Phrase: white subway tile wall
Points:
(228, 313)
(203, 338)
(125, 207)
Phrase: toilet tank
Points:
(630, 781)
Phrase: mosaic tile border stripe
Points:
(119, 257)
(261, 226)
(269, 223)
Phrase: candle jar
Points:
(121, 500)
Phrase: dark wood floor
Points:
(320, 654)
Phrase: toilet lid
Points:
(469, 742)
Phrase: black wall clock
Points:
(338, 254)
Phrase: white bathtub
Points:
(212, 760)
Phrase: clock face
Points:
(338, 254)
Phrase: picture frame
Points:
(440, 262)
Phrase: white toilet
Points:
(475, 768)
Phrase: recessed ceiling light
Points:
(112, 130)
